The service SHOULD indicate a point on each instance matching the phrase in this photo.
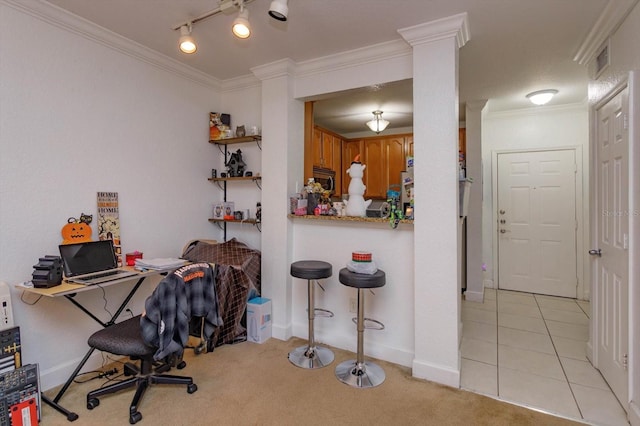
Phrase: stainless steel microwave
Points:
(325, 177)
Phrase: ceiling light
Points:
(279, 10)
(186, 42)
(378, 124)
(241, 27)
(541, 97)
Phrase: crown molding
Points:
(283, 67)
(452, 26)
(67, 21)
(356, 57)
(240, 83)
(608, 22)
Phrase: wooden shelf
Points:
(222, 179)
(250, 221)
(231, 141)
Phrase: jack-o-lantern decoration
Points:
(76, 232)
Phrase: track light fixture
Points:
(241, 28)
(378, 124)
(186, 43)
(279, 10)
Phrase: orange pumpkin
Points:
(75, 232)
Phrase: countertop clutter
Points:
(347, 218)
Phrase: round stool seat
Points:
(311, 269)
(356, 280)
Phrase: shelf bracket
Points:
(257, 182)
(219, 185)
(259, 226)
(258, 143)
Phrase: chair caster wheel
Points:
(199, 349)
(192, 388)
(181, 365)
(135, 417)
(92, 403)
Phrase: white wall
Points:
(78, 117)
(534, 128)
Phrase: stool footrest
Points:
(376, 326)
(319, 312)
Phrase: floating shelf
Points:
(231, 141)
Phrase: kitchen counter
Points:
(347, 218)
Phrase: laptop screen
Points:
(85, 258)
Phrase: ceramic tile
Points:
(519, 322)
(570, 317)
(479, 350)
(479, 377)
(533, 362)
(487, 305)
(478, 315)
(480, 331)
(570, 331)
(558, 303)
(570, 348)
(537, 391)
(516, 297)
(525, 340)
(599, 406)
(583, 373)
(531, 311)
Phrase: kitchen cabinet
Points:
(327, 153)
(222, 182)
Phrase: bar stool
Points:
(310, 355)
(358, 373)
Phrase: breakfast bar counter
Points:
(347, 218)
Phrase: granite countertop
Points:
(347, 218)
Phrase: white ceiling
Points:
(515, 46)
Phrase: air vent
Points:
(602, 59)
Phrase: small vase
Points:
(312, 202)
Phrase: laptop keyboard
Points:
(101, 275)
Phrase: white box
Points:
(259, 320)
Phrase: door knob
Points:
(502, 212)
(595, 252)
(502, 231)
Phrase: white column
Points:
(474, 115)
(282, 162)
(435, 133)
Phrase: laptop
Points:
(92, 262)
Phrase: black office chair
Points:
(192, 291)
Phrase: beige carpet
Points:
(252, 384)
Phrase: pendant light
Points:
(378, 124)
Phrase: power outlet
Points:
(353, 305)
(6, 313)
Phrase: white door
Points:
(537, 222)
(611, 231)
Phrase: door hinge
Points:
(625, 121)
(625, 361)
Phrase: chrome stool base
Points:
(365, 375)
(310, 358)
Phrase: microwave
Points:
(325, 177)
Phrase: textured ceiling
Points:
(515, 46)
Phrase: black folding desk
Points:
(68, 291)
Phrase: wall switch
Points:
(6, 313)
(353, 305)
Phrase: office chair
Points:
(160, 334)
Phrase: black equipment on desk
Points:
(48, 272)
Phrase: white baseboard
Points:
(59, 374)
(436, 373)
(474, 296)
(634, 414)
(281, 332)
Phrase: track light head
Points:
(186, 43)
(279, 10)
(241, 28)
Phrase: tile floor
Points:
(531, 350)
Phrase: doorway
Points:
(537, 221)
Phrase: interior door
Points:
(537, 222)
(611, 223)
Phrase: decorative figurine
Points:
(356, 205)
(235, 165)
(75, 232)
(240, 132)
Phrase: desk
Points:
(68, 291)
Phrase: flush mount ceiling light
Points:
(186, 43)
(378, 124)
(279, 10)
(541, 97)
(241, 28)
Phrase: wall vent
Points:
(602, 59)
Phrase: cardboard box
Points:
(259, 320)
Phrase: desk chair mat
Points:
(237, 280)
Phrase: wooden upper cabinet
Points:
(374, 172)
(395, 155)
(408, 146)
(327, 149)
